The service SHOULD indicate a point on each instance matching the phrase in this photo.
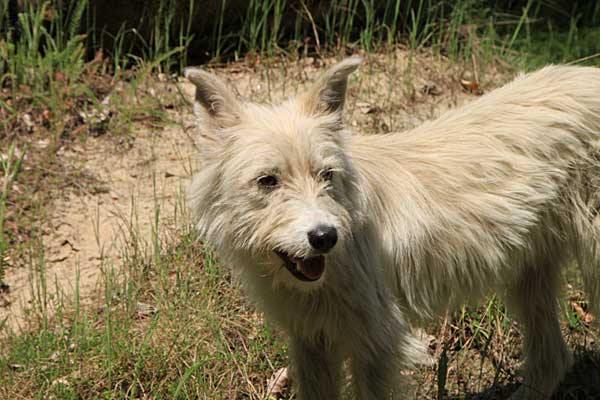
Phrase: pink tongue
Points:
(312, 267)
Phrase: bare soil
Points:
(85, 231)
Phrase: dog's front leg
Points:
(378, 356)
(376, 378)
(316, 369)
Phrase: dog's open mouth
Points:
(305, 269)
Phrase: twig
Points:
(583, 59)
(314, 28)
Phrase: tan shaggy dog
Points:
(344, 239)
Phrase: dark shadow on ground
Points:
(582, 383)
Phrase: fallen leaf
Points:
(47, 114)
(42, 144)
(60, 77)
(277, 384)
(55, 356)
(27, 120)
(77, 149)
(471, 86)
(586, 317)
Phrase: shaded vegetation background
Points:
(549, 30)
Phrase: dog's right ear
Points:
(215, 104)
(328, 93)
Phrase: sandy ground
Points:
(86, 232)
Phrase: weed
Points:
(11, 166)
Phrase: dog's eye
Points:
(268, 181)
(326, 175)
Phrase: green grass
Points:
(170, 325)
(229, 29)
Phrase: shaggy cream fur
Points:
(495, 196)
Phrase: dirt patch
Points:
(84, 233)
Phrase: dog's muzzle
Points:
(308, 269)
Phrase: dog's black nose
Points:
(323, 237)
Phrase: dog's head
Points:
(276, 190)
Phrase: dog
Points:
(346, 240)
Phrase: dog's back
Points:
(468, 192)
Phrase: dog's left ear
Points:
(328, 93)
(216, 106)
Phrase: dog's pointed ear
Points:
(215, 104)
(328, 93)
